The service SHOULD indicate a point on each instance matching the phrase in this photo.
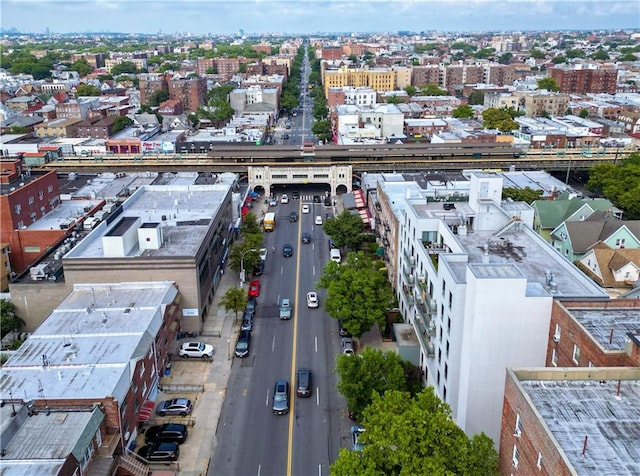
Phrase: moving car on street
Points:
(312, 299)
(281, 398)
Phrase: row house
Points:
(99, 128)
(57, 128)
(22, 104)
(77, 108)
(424, 128)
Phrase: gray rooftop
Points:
(609, 327)
(578, 408)
(86, 347)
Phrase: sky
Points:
(302, 16)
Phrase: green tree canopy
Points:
(158, 97)
(82, 66)
(345, 229)
(394, 99)
(372, 372)
(558, 59)
(9, 320)
(125, 67)
(584, 113)
(463, 111)
(600, 54)
(357, 293)
(410, 90)
(526, 194)
(241, 253)
(549, 84)
(432, 90)
(619, 183)
(500, 119)
(406, 436)
(537, 54)
(505, 58)
(476, 98)
(235, 299)
(87, 90)
(322, 129)
(120, 123)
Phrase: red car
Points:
(254, 289)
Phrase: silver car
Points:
(281, 398)
(175, 406)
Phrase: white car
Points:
(305, 208)
(198, 350)
(318, 220)
(312, 299)
(284, 198)
(263, 254)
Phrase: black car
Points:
(295, 195)
(259, 269)
(303, 383)
(316, 199)
(327, 202)
(293, 217)
(251, 305)
(306, 238)
(160, 452)
(247, 321)
(287, 250)
(169, 432)
(242, 346)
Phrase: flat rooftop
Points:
(86, 347)
(573, 409)
(184, 211)
(609, 327)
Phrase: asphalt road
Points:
(251, 440)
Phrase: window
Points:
(450, 299)
(554, 358)
(517, 431)
(40, 194)
(141, 369)
(539, 463)
(17, 209)
(620, 243)
(515, 456)
(31, 200)
(576, 353)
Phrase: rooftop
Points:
(603, 409)
(86, 347)
(609, 327)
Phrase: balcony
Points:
(422, 331)
(422, 282)
(408, 294)
(435, 248)
(409, 258)
(422, 308)
(408, 276)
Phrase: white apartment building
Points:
(477, 283)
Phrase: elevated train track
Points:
(363, 158)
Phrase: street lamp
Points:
(242, 273)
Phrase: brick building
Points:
(102, 128)
(581, 81)
(25, 197)
(151, 83)
(571, 421)
(332, 53)
(191, 92)
(57, 128)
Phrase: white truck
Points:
(285, 309)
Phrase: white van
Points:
(335, 255)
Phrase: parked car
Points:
(318, 220)
(254, 289)
(305, 208)
(160, 452)
(242, 346)
(259, 269)
(247, 321)
(332, 244)
(336, 255)
(284, 198)
(343, 331)
(347, 346)
(251, 306)
(175, 406)
(273, 202)
(327, 202)
(356, 443)
(198, 350)
(306, 238)
(316, 199)
(169, 432)
(293, 217)
(312, 299)
(303, 383)
(295, 195)
(262, 254)
(287, 250)
(281, 397)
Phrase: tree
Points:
(222, 113)
(526, 194)
(158, 97)
(558, 59)
(407, 436)
(505, 58)
(250, 225)
(628, 57)
(120, 123)
(584, 113)
(82, 66)
(619, 183)
(357, 293)
(235, 299)
(87, 90)
(124, 67)
(394, 99)
(600, 54)
(476, 98)
(345, 229)
(500, 119)
(322, 129)
(537, 54)
(549, 84)
(410, 90)
(241, 254)
(463, 111)
(432, 90)
(373, 372)
(9, 320)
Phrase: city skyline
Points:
(200, 17)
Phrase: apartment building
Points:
(532, 103)
(191, 92)
(140, 63)
(377, 79)
(225, 68)
(477, 284)
(77, 108)
(151, 83)
(26, 196)
(104, 347)
(57, 128)
(570, 421)
(241, 98)
(581, 80)
(364, 96)
(353, 123)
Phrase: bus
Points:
(269, 222)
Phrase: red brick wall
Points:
(573, 334)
